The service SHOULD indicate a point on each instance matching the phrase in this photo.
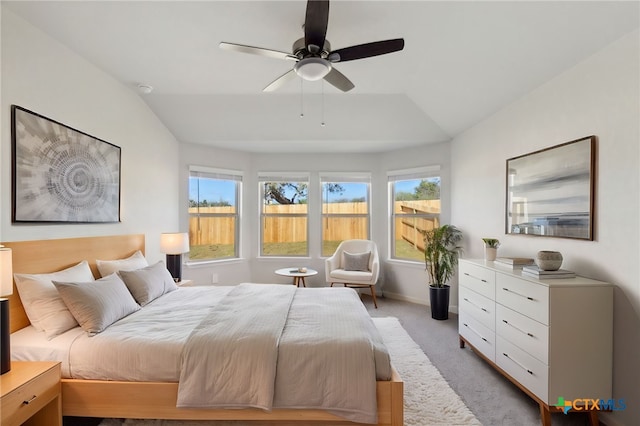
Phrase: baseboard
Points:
(452, 308)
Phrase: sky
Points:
(217, 190)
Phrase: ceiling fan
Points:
(312, 54)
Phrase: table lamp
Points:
(173, 244)
(6, 289)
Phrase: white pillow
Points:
(97, 304)
(42, 303)
(148, 283)
(135, 261)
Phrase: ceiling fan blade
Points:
(269, 53)
(280, 81)
(366, 50)
(337, 79)
(315, 25)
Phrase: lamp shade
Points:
(174, 242)
(6, 272)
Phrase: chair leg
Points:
(373, 294)
(331, 284)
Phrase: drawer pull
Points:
(474, 304)
(518, 364)
(516, 293)
(478, 334)
(517, 328)
(30, 400)
(471, 276)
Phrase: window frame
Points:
(281, 177)
(343, 177)
(393, 176)
(236, 176)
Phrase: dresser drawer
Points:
(477, 278)
(528, 371)
(482, 338)
(529, 335)
(26, 400)
(522, 296)
(478, 306)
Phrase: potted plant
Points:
(490, 248)
(441, 251)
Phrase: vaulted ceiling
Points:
(462, 62)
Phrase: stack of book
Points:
(534, 271)
(513, 262)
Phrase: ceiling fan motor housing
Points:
(299, 49)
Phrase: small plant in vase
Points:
(490, 248)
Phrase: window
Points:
(415, 208)
(214, 213)
(345, 209)
(284, 215)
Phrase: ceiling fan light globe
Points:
(312, 69)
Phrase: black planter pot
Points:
(439, 298)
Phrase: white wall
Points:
(46, 77)
(601, 97)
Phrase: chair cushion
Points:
(342, 276)
(356, 261)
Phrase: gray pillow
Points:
(147, 284)
(97, 304)
(356, 261)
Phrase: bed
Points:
(157, 399)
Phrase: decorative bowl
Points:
(549, 260)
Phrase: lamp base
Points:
(5, 336)
(174, 265)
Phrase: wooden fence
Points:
(411, 228)
(205, 229)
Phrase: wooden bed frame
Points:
(152, 400)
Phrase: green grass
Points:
(285, 249)
(404, 250)
(211, 251)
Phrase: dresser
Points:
(30, 394)
(552, 338)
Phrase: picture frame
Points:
(550, 192)
(60, 174)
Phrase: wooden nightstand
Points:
(185, 283)
(30, 394)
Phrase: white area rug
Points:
(428, 399)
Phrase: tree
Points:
(427, 190)
(292, 193)
(205, 203)
(285, 193)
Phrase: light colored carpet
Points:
(428, 399)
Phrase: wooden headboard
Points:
(44, 256)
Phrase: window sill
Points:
(206, 263)
(407, 263)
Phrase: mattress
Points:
(147, 345)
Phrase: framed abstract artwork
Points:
(61, 174)
(551, 192)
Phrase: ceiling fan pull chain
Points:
(322, 122)
(301, 98)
